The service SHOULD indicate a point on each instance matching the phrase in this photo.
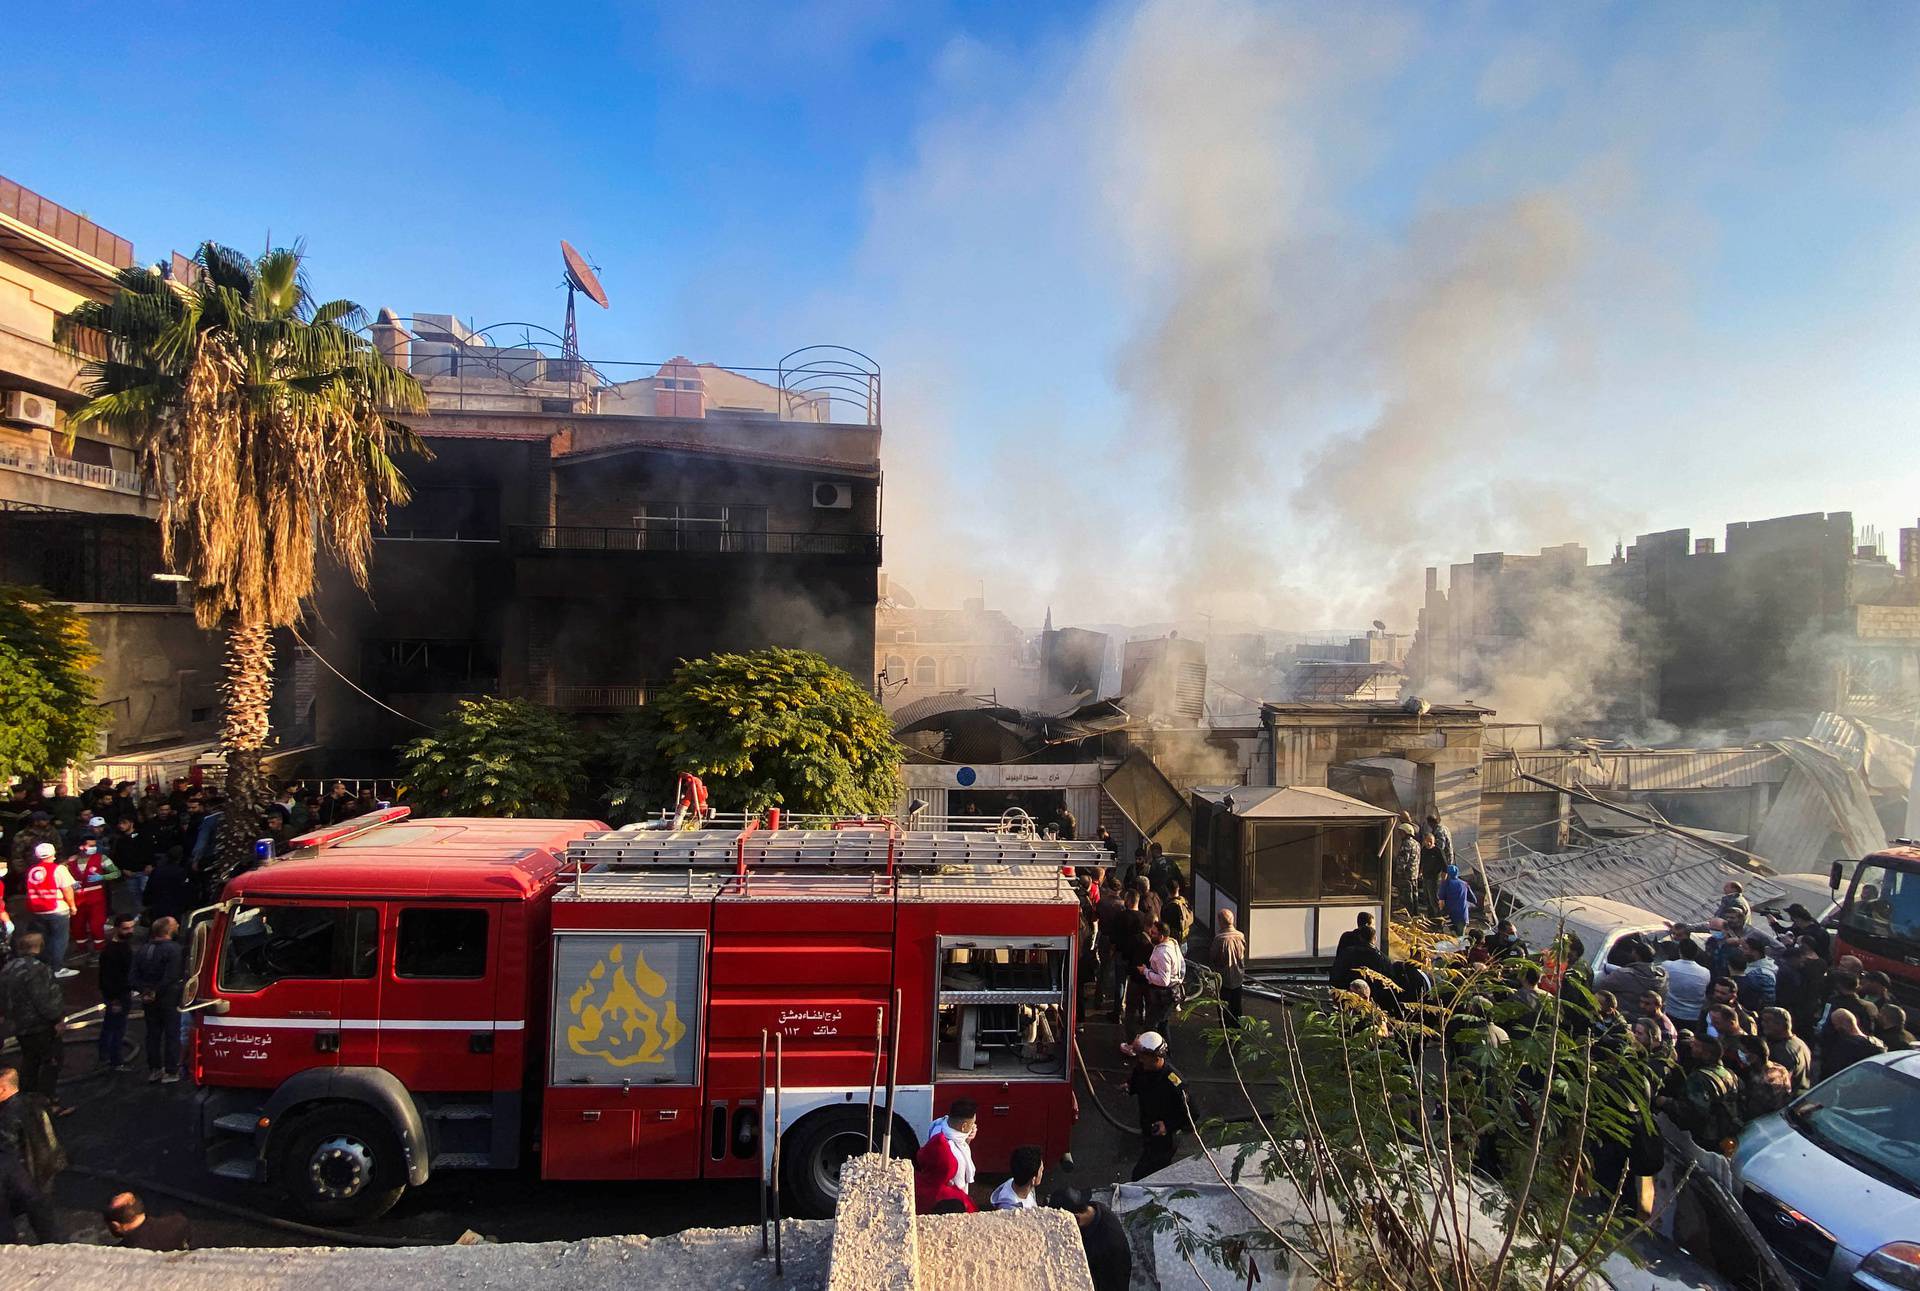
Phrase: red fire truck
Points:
(1879, 918)
(403, 996)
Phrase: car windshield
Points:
(1869, 1114)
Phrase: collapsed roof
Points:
(959, 727)
(1666, 873)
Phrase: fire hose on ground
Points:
(338, 1237)
(332, 1236)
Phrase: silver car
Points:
(1833, 1181)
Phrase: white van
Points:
(1596, 921)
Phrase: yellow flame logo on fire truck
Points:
(612, 1019)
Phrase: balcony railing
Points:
(36, 462)
(606, 699)
(697, 541)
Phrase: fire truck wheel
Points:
(813, 1153)
(342, 1165)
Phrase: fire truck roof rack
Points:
(990, 884)
(855, 848)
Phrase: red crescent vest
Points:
(43, 888)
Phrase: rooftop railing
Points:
(470, 369)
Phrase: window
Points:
(955, 672)
(701, 526)
(896, 668)
(1283, 862)
(1314, 862)
(418, 666)
(444, 943)
(924, 673)
(1002, 1008)
(447, 512)
(1885, 902)
(268, 944)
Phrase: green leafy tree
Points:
(263, 421)
(773, 728)
(496, 757)
(1472, 1138)
(48, 716)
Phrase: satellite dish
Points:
(580, 277)
(1380, 626)
(580, 274)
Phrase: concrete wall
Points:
(156, 669)
(1445, 749)
(876, 1244)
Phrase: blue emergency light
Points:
(263, 848)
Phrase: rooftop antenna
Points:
(580, 277)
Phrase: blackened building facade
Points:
(572, 539)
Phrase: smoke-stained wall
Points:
(491, 582)
(1669, 637)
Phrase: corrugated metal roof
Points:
(1639, 769)
(1822, 797)
(1672, 876)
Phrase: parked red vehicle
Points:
(399, 997)
(1879, 917)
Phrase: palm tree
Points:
(265, 424)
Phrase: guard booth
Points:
(1295, 864)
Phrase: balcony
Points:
(85, 558)
(606, 699)
(53, 466)
(687, 540)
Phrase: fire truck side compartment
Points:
(811, 957)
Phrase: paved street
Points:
(137, 1132)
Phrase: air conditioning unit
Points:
(24, 408)
(828, 496)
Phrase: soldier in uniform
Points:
(1164, 1112)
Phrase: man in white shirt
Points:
(1165, 970)
(1022, 1190)
(960, 1124)
(1687, 978)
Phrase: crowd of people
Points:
(105, 878)
(1736, 1017)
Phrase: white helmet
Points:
(1148, 1042)
(43, 851)
(97, 822)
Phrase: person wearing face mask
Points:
(50, 902)
(92, 870)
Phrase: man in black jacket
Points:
(1356, 955)
(18, 1191)
(1109, 1258)
(116, 991)
(159, 971)
(169, 892)
(32, 1001)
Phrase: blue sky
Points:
(1218, 306)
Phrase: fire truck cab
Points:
(403, 996)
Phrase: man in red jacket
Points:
(934, 1192)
